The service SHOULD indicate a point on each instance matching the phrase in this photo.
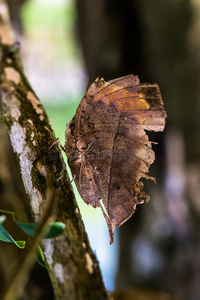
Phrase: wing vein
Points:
(111, 164)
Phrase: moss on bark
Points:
(72, 266)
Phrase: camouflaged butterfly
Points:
(107, 147)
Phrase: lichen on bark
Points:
(72, 266)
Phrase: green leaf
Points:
(20, 244)
(39, 256)
(6, 237)
(54, 228)
(28, 228)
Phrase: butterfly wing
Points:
(107, 147)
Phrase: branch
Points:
(72, 266)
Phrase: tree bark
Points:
(72, 266)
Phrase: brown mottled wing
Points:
(107, 147)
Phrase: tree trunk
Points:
(72, 266)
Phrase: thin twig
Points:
(19, 278)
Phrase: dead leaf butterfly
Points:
(107, 147)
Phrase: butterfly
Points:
(107, 147)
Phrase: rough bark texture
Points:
(72, 266)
